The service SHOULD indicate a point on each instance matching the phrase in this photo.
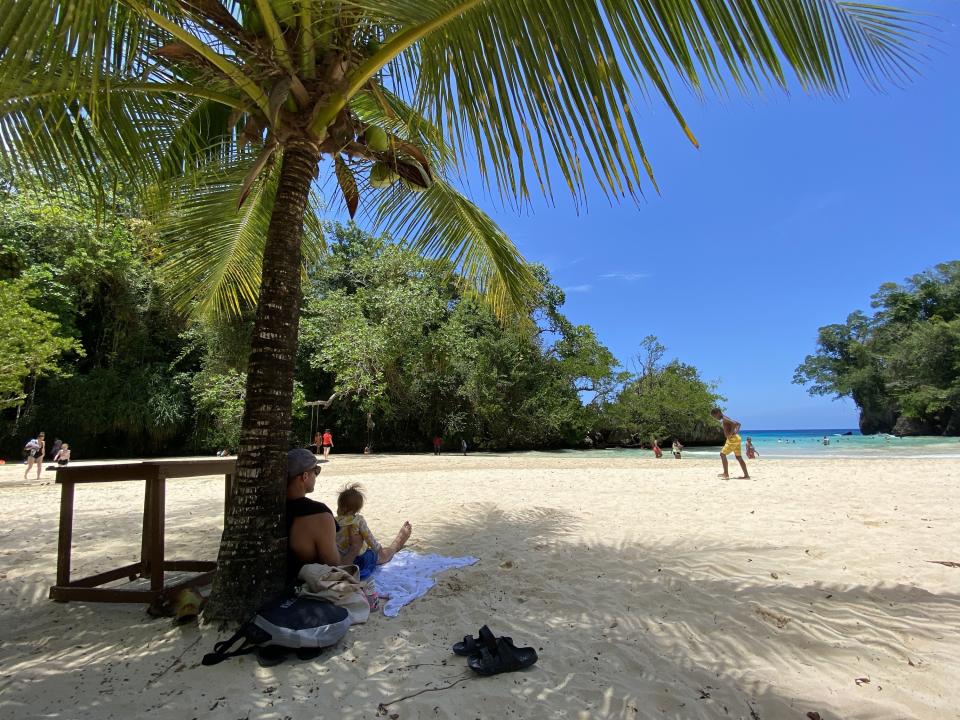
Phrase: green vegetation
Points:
(901, 366)
(403, 346)
(394, 340)
(90, 277)
(664, 401)
(31, 347)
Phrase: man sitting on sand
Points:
(731, 431)
(311, 529)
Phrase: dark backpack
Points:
(304, 624)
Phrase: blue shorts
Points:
(367, 562)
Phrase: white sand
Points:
(650, 589)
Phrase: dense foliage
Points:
(398, 344)
(663, 401)
(408, 353)
(90, 276)
(901, 365)
(32, 344)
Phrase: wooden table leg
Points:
(66, 534)
(156, 533)
(148, 492)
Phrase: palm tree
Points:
(219, 115)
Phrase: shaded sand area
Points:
(650, 588)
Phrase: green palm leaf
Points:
(212, 252)
(440, 222)
(136, 92)
(524, 82)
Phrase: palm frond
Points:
(385, 109)
(211, 252)
(84, 102)
(527, 83)
(441, 223)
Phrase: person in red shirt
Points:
(437, 442)
(326, 443)
(656, 449)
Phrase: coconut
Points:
(377, 139)
(382, 175)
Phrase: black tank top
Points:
(300, 507)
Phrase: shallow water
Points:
(810, 444)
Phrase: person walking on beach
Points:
(437, 442)
(463, 445)
(63, 455)
(327, 443)
(36, 449)
(731, 431)
(677, 448)
(657, 452)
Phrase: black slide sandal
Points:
(472, 645)
(506, 657)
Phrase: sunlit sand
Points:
(649, 588)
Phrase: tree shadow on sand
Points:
(629, 631)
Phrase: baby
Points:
(350, 522)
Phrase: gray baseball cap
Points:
(299, 461)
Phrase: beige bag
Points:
(339, 585)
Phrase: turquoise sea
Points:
(809, 444)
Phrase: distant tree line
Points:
(900, 365)
(396, 347)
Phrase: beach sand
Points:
(650, 589)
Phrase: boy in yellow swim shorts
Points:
(731, 431)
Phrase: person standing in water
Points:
(751, 450)
(731, 431)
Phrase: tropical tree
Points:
(901, 366)
(32, 345)
(667, 401)
(204, 106)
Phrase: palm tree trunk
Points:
(252, 560)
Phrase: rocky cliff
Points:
(704, 433)
(888, 420)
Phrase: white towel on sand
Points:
(409, 575)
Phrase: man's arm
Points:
(734, 425)
(324, 533)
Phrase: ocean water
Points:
(809, 444)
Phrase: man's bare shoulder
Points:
(310, 524)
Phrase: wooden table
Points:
(154, 473)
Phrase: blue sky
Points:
(789, 217)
